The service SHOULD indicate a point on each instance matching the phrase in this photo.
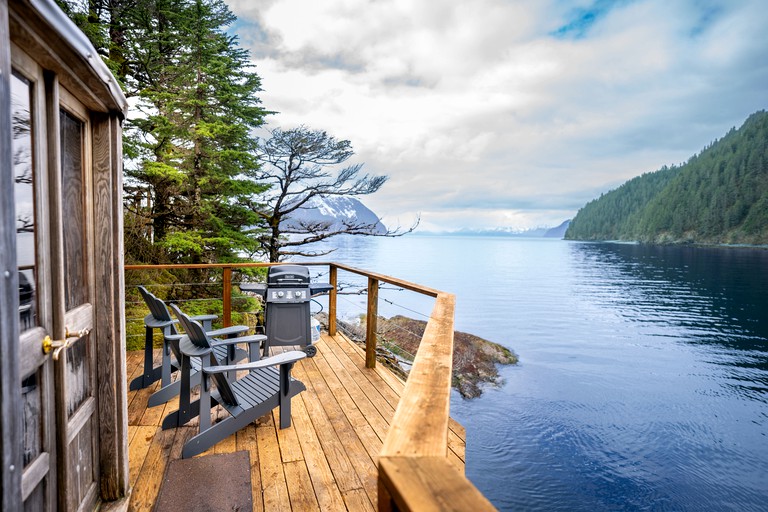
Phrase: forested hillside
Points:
(718, 196)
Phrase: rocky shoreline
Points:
(475, 359)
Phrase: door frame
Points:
(10, 380)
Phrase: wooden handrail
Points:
(401, 283)
(426, 484)
(414, 471)
(420, 425)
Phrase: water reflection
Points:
(24, 188)
(712, 298)
(721, 286)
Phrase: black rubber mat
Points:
(208, 483)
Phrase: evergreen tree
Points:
(190, 156)
(198, 153)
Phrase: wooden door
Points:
(35, 318)
(75, 368)
(55, 268)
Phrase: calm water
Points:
(643, 381)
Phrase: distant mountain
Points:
(559, 231)
(535, 232)
(505, 232)
(334, 213)
(718, 196)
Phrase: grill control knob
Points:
(297, 294)
(280, 294)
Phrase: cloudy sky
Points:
(508, 113)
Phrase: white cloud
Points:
(482, 112)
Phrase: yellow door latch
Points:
(58, 345)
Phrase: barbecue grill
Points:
(287, 294)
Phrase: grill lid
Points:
(288, 276)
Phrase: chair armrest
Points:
(279, 359)
(151, 321)
(203, 318)
(217, 342)
(227, 331)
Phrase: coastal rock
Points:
(475, 359)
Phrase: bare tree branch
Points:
(299, 164)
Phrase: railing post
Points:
(333, 278)
(227, 296)
(370, 323)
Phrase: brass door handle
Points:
(58, 345)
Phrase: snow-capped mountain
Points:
(337, 211)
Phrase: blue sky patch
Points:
(708, 15)
(581, 20)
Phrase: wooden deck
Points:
(325, 461)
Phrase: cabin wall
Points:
(109, 304)
(45, 34)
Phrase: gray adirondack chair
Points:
(160, 318)
(267, 384)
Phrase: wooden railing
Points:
(414, 471)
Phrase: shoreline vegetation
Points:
(719, 197)
(678, 243)
(475, 360)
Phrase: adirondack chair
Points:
(267, 384)
(160, 318)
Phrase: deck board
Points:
(325, 461)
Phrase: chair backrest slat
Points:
(156, 306)
(159, 311)
(198, 337)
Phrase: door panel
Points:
(73, 206)
(75, 372)
(36, 500)
(24, 191)
(78, 373)
(33, 432)
(80, 454)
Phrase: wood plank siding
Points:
(327, 460)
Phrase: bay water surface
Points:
(643, 375)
